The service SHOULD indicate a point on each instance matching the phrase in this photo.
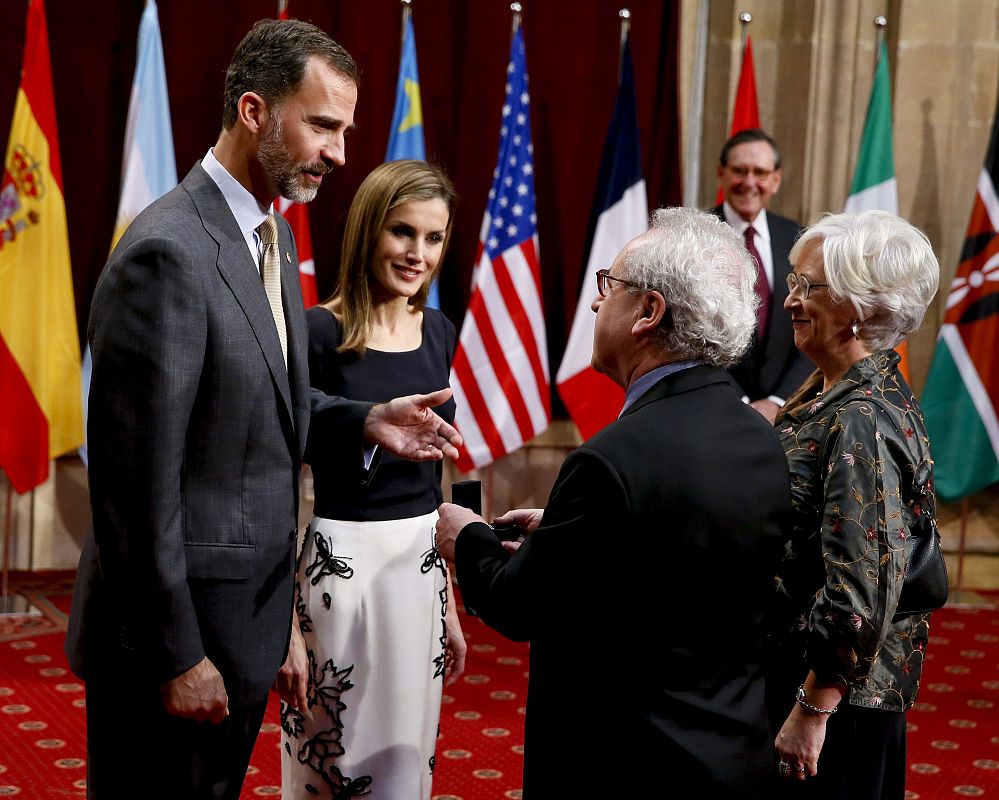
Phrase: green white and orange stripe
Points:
(40, 404)
(874, 187)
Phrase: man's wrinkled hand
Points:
(407, 427)
(452, 519)
(527, 519)
(199, 694)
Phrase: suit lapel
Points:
(240, 273)
(298, 333)
(782, 235)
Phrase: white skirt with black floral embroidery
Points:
(370, 598)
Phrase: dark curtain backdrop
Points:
(462, 47)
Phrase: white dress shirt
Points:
(245, 207)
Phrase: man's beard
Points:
(277, 162)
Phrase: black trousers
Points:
(863, 758)
(136, 749)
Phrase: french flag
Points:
(620, 213)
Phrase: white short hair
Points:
(704, 272)
(882, 265)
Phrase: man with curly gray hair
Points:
(666, 527)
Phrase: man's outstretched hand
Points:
(407, 427)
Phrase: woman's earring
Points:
(856, 329)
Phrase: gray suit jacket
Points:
(196, 432)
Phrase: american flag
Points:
(500, 369)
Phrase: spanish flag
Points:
(40, 403)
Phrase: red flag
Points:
(500, 370)
(40, 402)
(746, 113)
(298, 218)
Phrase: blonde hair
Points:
(386, 187)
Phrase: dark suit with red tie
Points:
(773, 366)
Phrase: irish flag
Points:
(874, 187)
(962, 389)
(40, 404)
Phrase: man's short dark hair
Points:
(271, 61)
(744, 137)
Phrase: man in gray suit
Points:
(200, 407)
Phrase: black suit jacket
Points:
(642, 594)
(196, 432)
(775, 367)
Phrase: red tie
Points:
(762, 286)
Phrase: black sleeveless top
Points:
(399, 488)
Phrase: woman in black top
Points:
(373, 597)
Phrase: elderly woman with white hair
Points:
(847, 658)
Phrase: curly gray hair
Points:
(883, 266)
(704, 272)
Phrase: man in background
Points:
(642, 585)
(199, 411)
(749, 173)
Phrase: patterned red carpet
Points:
(953, 731)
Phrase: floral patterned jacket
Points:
(861, 474)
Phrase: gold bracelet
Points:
(809, 707)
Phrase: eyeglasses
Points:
(603, 287)
(758, 173)
(800, 282)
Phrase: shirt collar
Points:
(739, 225)
(244, 206)
(641, 385)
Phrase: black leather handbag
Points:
(926, 584)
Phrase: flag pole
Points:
(745, 18)
(959, 588)
(6, 605)
(517, 10)
(282, 9)
(407, 12)
(880, 23)
(625, 16)
(695, 129)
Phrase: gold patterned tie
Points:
(270, 271)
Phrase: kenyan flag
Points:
(962, 390)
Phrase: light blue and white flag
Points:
(149, 168)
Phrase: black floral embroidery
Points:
(439, 660)
(292, 721)
(431, 558)
(304, 618)
(319, 753)
(327, 601)
(325, 563)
